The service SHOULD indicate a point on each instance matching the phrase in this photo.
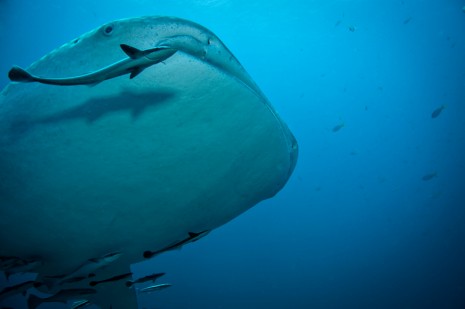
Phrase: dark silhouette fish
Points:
(83, 271)
(438, 111)
(429, 176)
(407, 20)
(112, 279)
(192, 237)
(338, 127)
(144, 279)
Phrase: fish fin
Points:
(135, 72)
(34, 301)
(193, 235)
(129, 284)
(132, 52)
(196, 236)
(20, 75)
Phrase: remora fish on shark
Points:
(192, 238)
(18, 289)
(112, 279)
(62, 296)
(13, 265)
(137, 61)
(83, 271)
(154, 288)
(144, 279)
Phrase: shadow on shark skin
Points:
(94, 109)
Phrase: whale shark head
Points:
(132, 165)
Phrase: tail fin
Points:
(33, 301)
(17, 74)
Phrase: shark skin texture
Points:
(132, 165)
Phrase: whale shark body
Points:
(94, 177)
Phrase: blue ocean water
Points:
(357, 226)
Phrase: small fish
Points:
(80, 304)
(9, 261)
(73, 279)
(18, 289)
(154, 288)
(112, 279)
(438, 111)
(352, 28)
(192, 237)
(144, 279)
(84, 271)
(134, 64)
(407, 20)
(62, 296)
(429, 176)
(338, 127)
(21, 266)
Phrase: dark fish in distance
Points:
(62, 296)
(338, 127)
(112, 279)
(429, 176)
(154, 288)
(438, 111)
(144, 279)
(192, 237)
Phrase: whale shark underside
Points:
(131, 166)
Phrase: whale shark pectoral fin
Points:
(135, 72)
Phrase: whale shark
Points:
(96, 179)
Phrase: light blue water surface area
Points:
(360, 224)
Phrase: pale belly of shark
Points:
(131, 165)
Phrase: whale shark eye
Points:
(107, 30)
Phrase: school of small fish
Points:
(85, 274)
